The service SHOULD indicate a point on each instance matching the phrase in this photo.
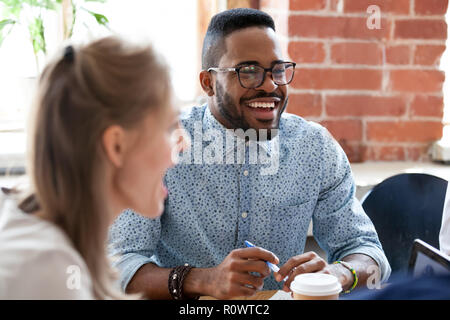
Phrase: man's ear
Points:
(206, 82)
(113, 141)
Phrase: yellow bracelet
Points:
(355, 277)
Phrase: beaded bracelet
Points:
(355, 277)
(176, 281)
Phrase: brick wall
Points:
(378, 91)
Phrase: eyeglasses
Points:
(252, 76)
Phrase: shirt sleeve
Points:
(340, 225)
(132, 243)
(444, 235)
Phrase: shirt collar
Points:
(211, 123)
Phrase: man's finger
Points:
(314, 265)
(246, 279)
(256, 266)
(256, 253)
(295, 262)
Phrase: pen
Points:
(272, 266)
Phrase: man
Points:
(215, 205)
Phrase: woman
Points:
(102, 139)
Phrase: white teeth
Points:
(259, 104)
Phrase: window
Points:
(170, 25)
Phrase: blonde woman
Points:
(102, 139)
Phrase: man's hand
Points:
(310, 262)
(304, 263)
(233, 276)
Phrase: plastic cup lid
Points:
(316, 284)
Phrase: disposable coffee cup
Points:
(315, 286)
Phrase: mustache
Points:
(263, 95)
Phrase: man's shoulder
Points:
(293, 125)
(191, 114)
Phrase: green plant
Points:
(31, 14)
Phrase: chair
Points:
(403, 208)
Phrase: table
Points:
(260, 295)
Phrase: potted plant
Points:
(30, 13)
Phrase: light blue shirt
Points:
(216, 201)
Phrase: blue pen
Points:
(272, 266)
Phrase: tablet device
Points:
(427, 260)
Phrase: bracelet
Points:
(176, 281)
(355, 277)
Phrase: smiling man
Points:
(253, 92)
(197, 246)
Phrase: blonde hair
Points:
(79, 95)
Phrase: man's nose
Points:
(268, 84)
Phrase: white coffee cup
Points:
(315, 286)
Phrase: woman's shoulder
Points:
(38, 260)
(26, 231)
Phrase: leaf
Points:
(12, 7)
(45, 4)
(101, 19)
(4, 23)
(36, 30)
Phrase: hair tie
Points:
(69, 53)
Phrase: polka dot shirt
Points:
(214, 205)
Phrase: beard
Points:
(228, 109)
(230, 112)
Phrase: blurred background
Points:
(371, 71)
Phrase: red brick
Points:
(355, 150)
(420, 29)
(334, 5)
(364, 105)
(427, 106)
(432, 7)
(335, 27)
(352, 79)
(385, 153)
(298, 5)
(306, 52)
(305, 105)
(416, 80)
(398, 54)
(418, 153)
(357, 53)
(412, 131)
(428, 54)
(349, 130)
(386, 6)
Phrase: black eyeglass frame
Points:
(237, 70)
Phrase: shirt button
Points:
(244, 214)
(246, 173)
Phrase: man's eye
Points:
(278, 70)
(249, 69)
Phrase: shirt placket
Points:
(245, 200)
